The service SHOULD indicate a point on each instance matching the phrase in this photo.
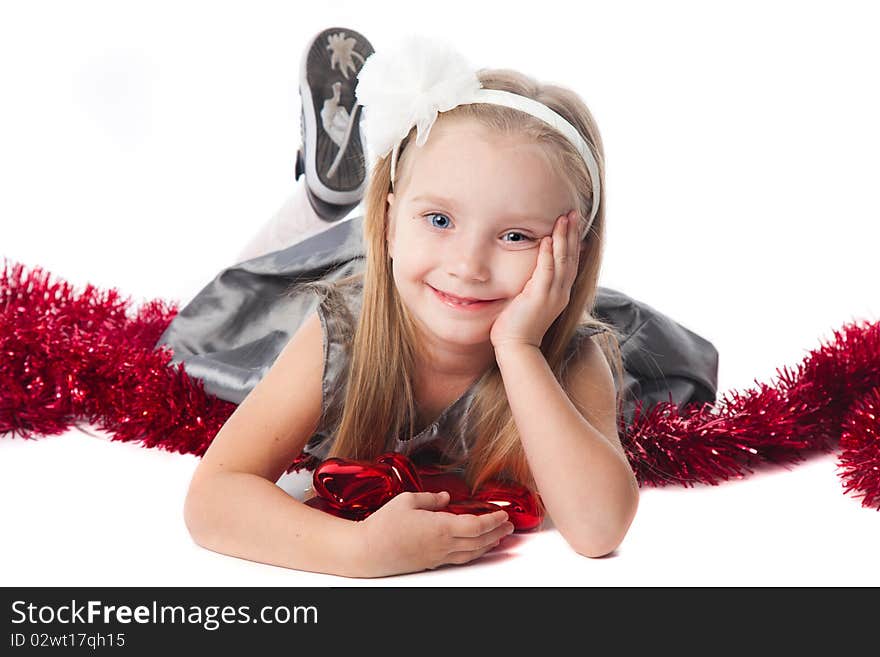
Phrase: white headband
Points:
(410, 84)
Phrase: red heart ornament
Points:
(436, 480)
(403, 469)
(519, 502)
(355, 485)
(476, 507)
(354, 489)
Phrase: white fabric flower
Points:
(409, 85)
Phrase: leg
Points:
(331, 173)
(295, 221)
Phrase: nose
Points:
(468, 259)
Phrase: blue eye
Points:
(525, 238)
(435, 214)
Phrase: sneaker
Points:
(331, 154)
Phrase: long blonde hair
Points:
(379, 402)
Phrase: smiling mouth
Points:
(460, 302)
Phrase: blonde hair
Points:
(379, 404)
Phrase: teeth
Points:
(457, 302)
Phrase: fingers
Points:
(558, 255)
(468, 549)
(427, 500)
(487, 540)
(471, 526)
(564, 245)
(469, 536)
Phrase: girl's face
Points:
(468, 221)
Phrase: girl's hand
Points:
(526, 319)
(407, 534)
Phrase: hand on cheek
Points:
(525, 320)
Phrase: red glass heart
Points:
(351, 484)
(436, 480)
(404, 469)
(355, 489)
(475, 507)
(519, 502)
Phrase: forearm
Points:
(246, 516)
(586, 484)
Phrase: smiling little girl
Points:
(454, 321)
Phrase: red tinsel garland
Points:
(69, 358)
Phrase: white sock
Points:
(295, 221)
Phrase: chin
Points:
(466, 337)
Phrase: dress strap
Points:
(337, 310)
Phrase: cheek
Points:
(414, 256)
(520, 270)
(403, 239)
(411, 264)
(413, 253)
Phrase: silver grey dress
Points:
(232, 331)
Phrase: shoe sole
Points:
(335, 174)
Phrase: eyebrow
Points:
(534, 218)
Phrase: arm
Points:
(246, 516)
(579, 465)
(233, 505)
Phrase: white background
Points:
(142, 144)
